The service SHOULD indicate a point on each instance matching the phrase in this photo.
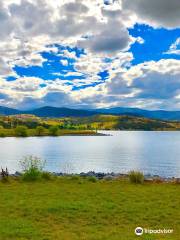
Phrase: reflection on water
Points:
(151, 152)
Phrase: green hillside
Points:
(29, 125)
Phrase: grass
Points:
(32, 132)
(64, 209)
(46, 176)
(136, 177)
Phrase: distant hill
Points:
(60, 112)
(124, 122)
(8, 111)
(67, 112)
(52, 112)
(156, 114)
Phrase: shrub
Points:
(92, 179)
(30, 161)
(32, 168)
(2, 135)
(46, 176)
(21, 131)
(75, 177)
(53, 130)
(32, 174)
(136, 177)
(4, 175)
(40, 130)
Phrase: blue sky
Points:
(91, 55)
(152, 49)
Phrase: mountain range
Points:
(68, 112)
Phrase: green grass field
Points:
(70, 209)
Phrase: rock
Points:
(122, 175)
(91, 174)
(156, 176)
(149, 179)
(158, 180)
(112, 174)
(82, 174)
(147, 176)
(59, 174)
(17, 174)
(108, 177)
(100, 175)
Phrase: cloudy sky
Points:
(90, 53)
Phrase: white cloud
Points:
(29, 27)
(140, 40)
(158, 13)
(64, 62)
(174, 48)
(147, 85)
(91, 64)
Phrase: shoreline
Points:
(108, 176)
(60, 134)
(83, 133)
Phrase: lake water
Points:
(156, 153)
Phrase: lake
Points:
(156, 153)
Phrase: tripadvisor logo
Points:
(139, 231)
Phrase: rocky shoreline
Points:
(110, 176)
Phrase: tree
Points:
(40, 130)
(53, 130)
(21, 131)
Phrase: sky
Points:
(90, 54)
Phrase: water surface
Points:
(156, 153)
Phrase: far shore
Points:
(60, 135)
(32, 133)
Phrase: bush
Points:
(32, 174)
(4, 175)
(46, 176)
(92, 179)
(53, 130)
(136, 177)
(75, 177)
(32, 168)
(21, 131)
(40, 131)
(2, 135)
